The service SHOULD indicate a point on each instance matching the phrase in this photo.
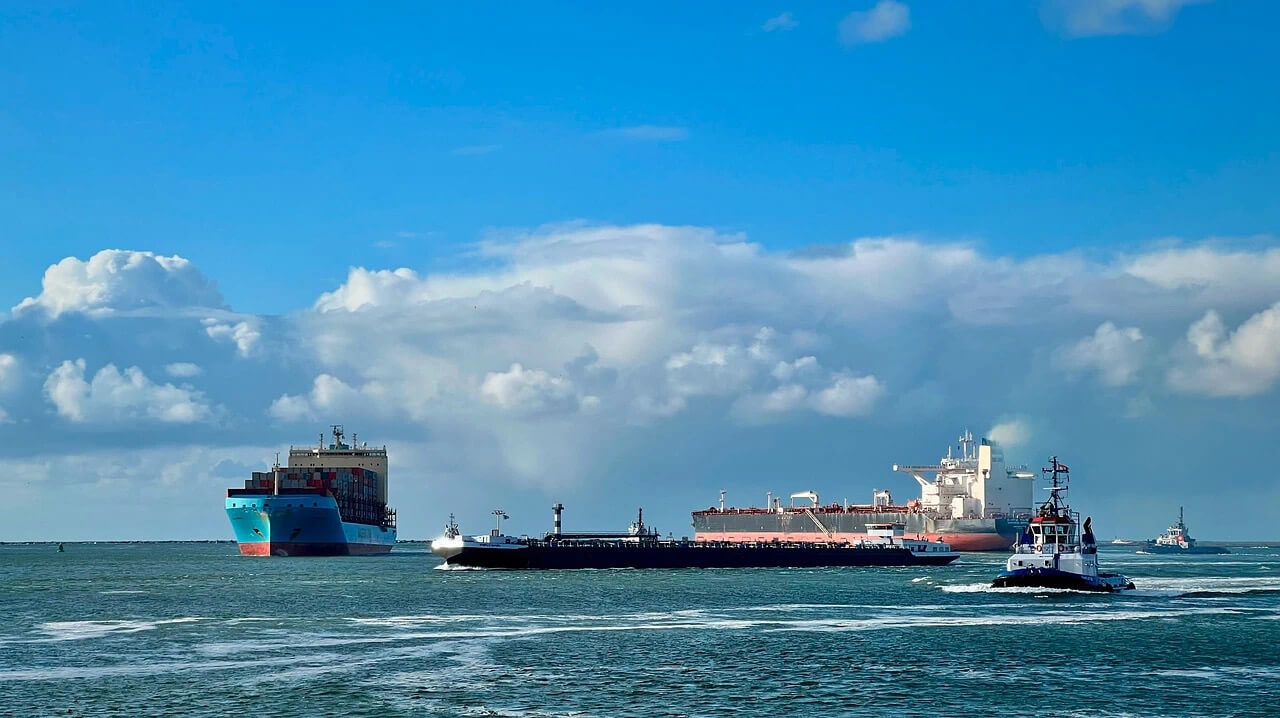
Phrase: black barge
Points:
(642, 547)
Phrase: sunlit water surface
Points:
(166, 629)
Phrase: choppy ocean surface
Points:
(195, 629)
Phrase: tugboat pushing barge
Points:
(642, 547)
(1053, 553)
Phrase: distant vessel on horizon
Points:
(328, 501)
(1176, 539)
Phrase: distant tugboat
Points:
(1175, 539)
(1053, 553)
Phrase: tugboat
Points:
(1053, 553)
(1175, 539)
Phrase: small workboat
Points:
(1177, 539)
(1053, 552)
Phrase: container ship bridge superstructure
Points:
(972, 501)
(329, 501)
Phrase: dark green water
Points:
(198, 630)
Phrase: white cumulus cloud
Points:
(1087, 18)
(887, 19)
(529, 390)
(365, 288)
(332, 397)
(848, 396)
(112, 395)
(1115, 353)
(116, 280)
(9, 373)
(565, 338)
(9, 381)
(782, 21)
(1011, 433)
(1244, 362)
(243, 334)
(183, 369)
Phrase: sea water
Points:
(196, 629)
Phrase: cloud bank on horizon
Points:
(539, 369)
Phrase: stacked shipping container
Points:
(355, 489)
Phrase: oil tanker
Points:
(969, 499)
(642, 547)
(329, 501)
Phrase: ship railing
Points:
(825, 509)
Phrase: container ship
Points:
(972, 501)
(641, 547)
(329, 501)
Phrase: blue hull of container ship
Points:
(301, 525)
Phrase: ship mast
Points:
(1055, 505)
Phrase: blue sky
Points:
(590, 163)
(254, 135)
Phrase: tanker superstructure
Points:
(971, 501)
(328, 501)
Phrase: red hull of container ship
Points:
(957, 541)
(284, 548)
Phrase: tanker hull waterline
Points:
(302, 525)
(839, 526)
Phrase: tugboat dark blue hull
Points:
(1156, 548)
(1053, 578)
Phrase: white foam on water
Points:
(1222, 674)
(411, 621)
(313, 669)
(918, 580)
(830, 624)
(1205, 584)
(1058, 617)
(81, 630)
(798, 607)
(1167, 562)
(455, 567)
(986, 587)
(151, 668)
